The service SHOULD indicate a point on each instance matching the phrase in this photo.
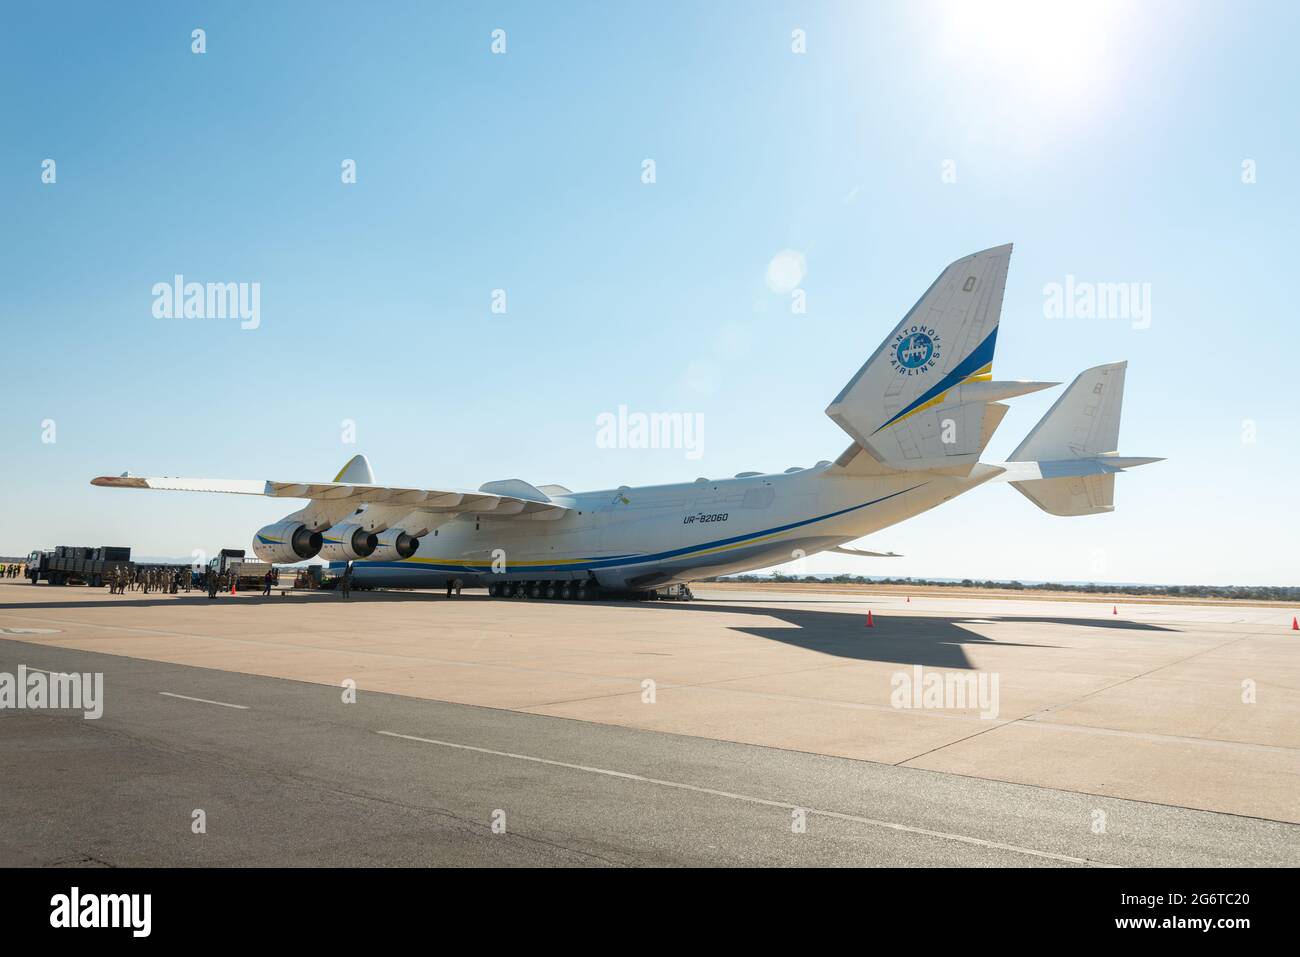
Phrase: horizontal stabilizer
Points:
(1079, 495)
(1067, 464)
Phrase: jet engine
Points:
(346, 541)
(286, 542)
(395, 545)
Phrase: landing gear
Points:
(567, 590)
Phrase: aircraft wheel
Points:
(550, 589)
(535, 590)
(566, 591)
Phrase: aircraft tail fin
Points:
(924, 400)
(1066, 465)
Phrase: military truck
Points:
(77, 564)
(249, 574)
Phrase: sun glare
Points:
(1055, 49)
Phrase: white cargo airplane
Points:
(920, 412)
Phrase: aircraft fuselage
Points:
(638, 538)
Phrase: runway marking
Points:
(750, 799)
(185, 697)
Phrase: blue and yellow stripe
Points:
(976, 367)
(610, 561)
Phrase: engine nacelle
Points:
(286, 542)
(395, 545)
(346, 541)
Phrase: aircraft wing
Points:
(861, 553)
(352, 493)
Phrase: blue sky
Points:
(1106, 141)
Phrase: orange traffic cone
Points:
(1114, 610)
(1295, 623)
(909, 599)
(870, 623)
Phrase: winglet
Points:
(357, 471)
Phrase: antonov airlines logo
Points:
(915, 350)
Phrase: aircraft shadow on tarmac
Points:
(930, 641)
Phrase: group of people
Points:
(13, 570)
(148, 578)
(170, 580)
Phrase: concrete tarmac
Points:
(705, 732)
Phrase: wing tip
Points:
(120, 481)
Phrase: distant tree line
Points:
(1252, 592)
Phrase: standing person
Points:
(210, 580)
(346, 582)
(267, 579)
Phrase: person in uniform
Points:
(345, 584)
(267, 580)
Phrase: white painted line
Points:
(891, 825)
(185, 697)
